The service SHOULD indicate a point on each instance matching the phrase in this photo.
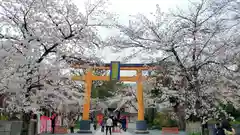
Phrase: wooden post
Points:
(140, 96)
(87, 95)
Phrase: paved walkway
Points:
(130, 130)
(97, 132)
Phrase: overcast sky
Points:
(124, 8)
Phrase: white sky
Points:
(124, 8)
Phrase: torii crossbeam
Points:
(141, 125)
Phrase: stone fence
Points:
(16, 128)
(10, 127)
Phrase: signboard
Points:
(115, 70)
(45, 124)
(58, 121)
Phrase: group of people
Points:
(112, 123)
(70, 124)
(224, 128)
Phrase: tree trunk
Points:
(179, 110)
(26, 122)
(182, 121)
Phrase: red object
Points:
(170, 130)
(53, 116)
(99, 118)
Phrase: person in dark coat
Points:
(124, 123)
(53, 119)
(95, 124)
(115, 121)
(218, 129)
(224, 128)
(72, 125)
(227, 127)
(102, 125)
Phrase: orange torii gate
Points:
(141, 125)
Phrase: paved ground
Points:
(130, 131)
(132, 127)
(97, 132)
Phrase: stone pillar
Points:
(16, 127)
(32, 130)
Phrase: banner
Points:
(58, 121)
(45, 123)
(38, 123)
(115, 70)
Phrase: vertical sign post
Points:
(115, 70)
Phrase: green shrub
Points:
(235, 122)
(3, 117)
(164, 120)
(77, 125)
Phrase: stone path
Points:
(98, 132)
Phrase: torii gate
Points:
(114, 67)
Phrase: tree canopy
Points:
(197, 49)
(107, 89)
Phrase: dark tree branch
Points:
(49, 50)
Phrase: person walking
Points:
(109, 124)
(53, 119)
(102, 125)
(95, 124)
(65, 122)
(72, 125)
(124, 123)
(115, 123)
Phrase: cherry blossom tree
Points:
(200, 45)
(39, 40)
